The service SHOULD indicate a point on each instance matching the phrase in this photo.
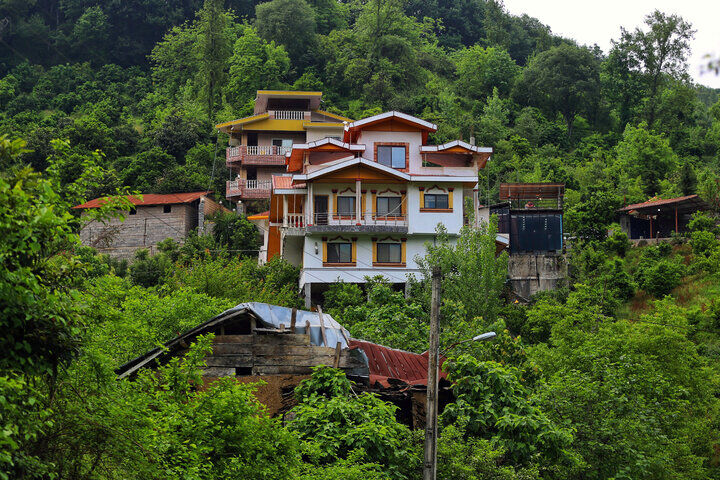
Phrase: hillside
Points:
(612, 376)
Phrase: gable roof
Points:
(149, 199)
(402, 117)
(350, 162)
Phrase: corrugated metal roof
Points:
(387, 363)
(688, 200)
(149, 199)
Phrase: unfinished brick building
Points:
(154, 218)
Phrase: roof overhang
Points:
(689, 203)
(456, 146)
(347, 163)
(228, 126)
(262, 97)
(416, 122)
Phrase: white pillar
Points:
(310, 205)
(358, 200)
(285, 211)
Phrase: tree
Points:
(255, 65)
(473, 275)
(646, 154)
(634, 392)
(290, 23)
(564, 79)
(235, 233)
(660, 51)
(481, 70)
(214, 50)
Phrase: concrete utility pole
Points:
(431, 408)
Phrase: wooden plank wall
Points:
(275, 354)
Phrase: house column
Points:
(358, 201)
(310, 204)
(308, 297)
(285, 211)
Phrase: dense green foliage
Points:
(612, 376)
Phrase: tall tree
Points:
(565, 80)
(660, 51)
(215, 50)
(290, 23)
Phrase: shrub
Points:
(701, 222)
(703, 242)
(662, 277)
(149, 270)
(617, 242)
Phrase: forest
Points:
(612, 376)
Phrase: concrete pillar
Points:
(358, 201)
(201, 216)
(308, 298)
(285, 211)
(311, 204)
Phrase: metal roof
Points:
(149, 199)
(387, 363)
(688, 202)
(531, 190)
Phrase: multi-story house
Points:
(258, 143)
(365, 205)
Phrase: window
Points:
(339, 252)
(346, 206)
(389, 253)
(434, 200)
(388, 206)
(391, 156)
(167, 208)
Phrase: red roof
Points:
(388, 363)
(150, 199)
(688, 200)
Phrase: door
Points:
(252, 139)
(321, 209)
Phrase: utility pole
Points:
(431, 408)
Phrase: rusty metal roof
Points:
(531, 190)
(149, 199)
(690, 202)
(387, 363)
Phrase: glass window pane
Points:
(346, 205)
(384, 156)
(389, 253)
(388, 206)
(398, 157)
(339, 252)
(436, 201)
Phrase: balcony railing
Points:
(257, 154)
(288, 114)
(301, 220)
(250, 189)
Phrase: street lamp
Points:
(431, 411)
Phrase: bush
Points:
(661, 278)
(702, 222)
(617, 242)
(149, 271)
(703, 242)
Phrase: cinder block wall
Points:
(145, 229)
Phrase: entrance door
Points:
(252, 139)
(321, 209)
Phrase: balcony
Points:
(289, 114)
(248, 189)
(262, 155)
(298, 223)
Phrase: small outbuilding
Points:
(659, 218)
(153, 218)
(280, 346)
